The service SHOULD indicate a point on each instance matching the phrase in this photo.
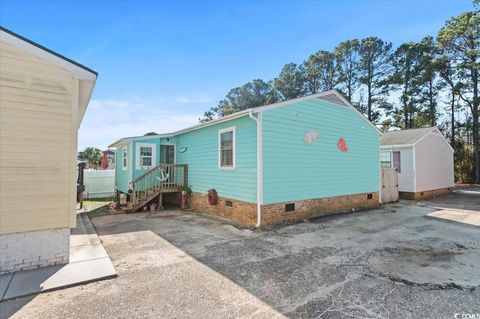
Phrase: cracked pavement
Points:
(392, 262)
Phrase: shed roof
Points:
(404, 137)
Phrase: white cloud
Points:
(108, 120)
(193, 100)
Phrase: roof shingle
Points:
(404, 137)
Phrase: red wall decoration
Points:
(342, 145)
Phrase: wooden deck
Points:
(163, 178)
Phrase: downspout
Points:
(258, 120)
(381, 171)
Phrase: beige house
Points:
(43, 98)
(423, 159)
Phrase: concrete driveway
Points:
(393, 262)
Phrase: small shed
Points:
(423, 159)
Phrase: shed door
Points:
(389, 185)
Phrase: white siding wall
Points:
(38, 102)
(407, 174)
(434, 163)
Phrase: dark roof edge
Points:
(48, 50)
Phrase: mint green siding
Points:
(294, 170)
(140, 172)
(122, 177)
(202, 159)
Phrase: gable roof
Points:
(86, 77)
(330, 96)
(36, 49)
(405, 137)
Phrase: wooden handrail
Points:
(156, 168)
(166, 177)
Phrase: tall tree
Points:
(406, 78)
(91, 155)
(347, 54)
(321, 72)
(375, 68)
(429, 80)
(446, 70)
(460, 38)
(291, 82)
(251, 94)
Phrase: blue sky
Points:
(161, 64)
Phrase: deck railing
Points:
(161, 178)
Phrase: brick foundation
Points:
(243, 212)
(425, 194)
(275, 213)
(246, 213)
(30, 250)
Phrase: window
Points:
(386, 159)
(226, 148)
(396, 161)
(145, 155)
(124, 158)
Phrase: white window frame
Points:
(234, 148)
(124, 158)
(391, 158)
(153, 146)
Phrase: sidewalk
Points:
(88, 262)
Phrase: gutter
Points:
(258, 120)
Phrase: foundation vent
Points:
(369, 196)
(228, 203)
(289, 207)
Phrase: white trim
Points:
(234, 147)
(246, 112)
(431, 131)
(153, 146)
(344, 100)
(259, 123)
(213, 122)
(387, 147)
(81, 73)
(130, 161)
(414, 169)
(127, 140)
(124, 153)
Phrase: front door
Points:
(167, 156)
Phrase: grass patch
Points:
(97, 207)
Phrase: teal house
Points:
(309, 156)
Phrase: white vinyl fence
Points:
(99, 183)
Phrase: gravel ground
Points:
(393, 262)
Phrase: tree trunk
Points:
(453, 120)
(475, 124)
(432, 104)
(369, 102)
